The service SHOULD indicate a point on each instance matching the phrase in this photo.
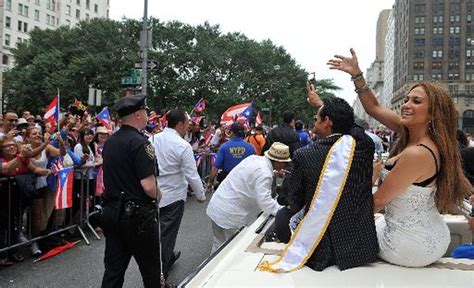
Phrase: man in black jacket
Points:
(350, 239)
(284, 133)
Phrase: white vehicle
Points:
(235, 265)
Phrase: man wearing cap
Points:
(231, 153)
(129, 220)
(245, 192)
(177, 169)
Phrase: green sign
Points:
(136, 72)
(130, 80)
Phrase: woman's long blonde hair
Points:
(452, 185)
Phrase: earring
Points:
(431, 128)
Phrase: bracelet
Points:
(359, 76)
(362, 89)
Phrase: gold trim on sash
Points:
(329, 174)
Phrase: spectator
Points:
(305, 139)
(284, 133)
(257, 140)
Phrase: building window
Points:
(25, 11)
(5, 59)
(37, 15)
(8, 22)
(8, 5)
(78, 14)
(418, 65)
(419, 42)
(418, 77)
(420, 8)
(37, 2)
(68, 10)
(18, 40)
(437, 54)
(88, 4)
(436, 65)
(68, 22)
(48, 19)
(469, 53)
(20, 24)
(53, 20)
(78, 2)
(25, 27)
(87, 16)
(20, 9)
(96, 8)
(7, 39)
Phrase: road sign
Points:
(152, 64)
(135, 72)
(130, 80)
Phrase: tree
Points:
(195, 61)
(97, 52)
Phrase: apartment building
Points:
(19, 17)
(434, 40)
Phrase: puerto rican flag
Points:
(200, 106)
(234, 112)
(104, 118)
(52, 112)
(64, 188)
(258, 119)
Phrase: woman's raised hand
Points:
(349, 65)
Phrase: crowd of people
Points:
(144, 166)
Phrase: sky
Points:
(311, 31)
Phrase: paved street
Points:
(82, 265)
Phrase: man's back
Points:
(232, 152)
(350, 239)
(176, 165)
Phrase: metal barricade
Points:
(14, 219)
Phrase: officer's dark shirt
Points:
(128, 158)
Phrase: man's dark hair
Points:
(299, 125)
(175, 116)
(288, 116)
(340, 113)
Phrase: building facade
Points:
(375, 74)
(386, 96)
(434, 40)
(19, 17)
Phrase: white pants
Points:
(220, 235)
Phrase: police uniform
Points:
(130, 221)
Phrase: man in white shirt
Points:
(177, 169)
(245, 192)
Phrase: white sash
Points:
(311, 229)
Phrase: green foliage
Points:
(195, 62)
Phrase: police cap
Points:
(129, 104)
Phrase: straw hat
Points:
(278, 152)
(101, 129)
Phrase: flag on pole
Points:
(258, 119)
(104, 118)
(64, 188)
(200, 106)
(234, 112)
(52, 112)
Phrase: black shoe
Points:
(174, 257)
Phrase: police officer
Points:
(130, 221)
